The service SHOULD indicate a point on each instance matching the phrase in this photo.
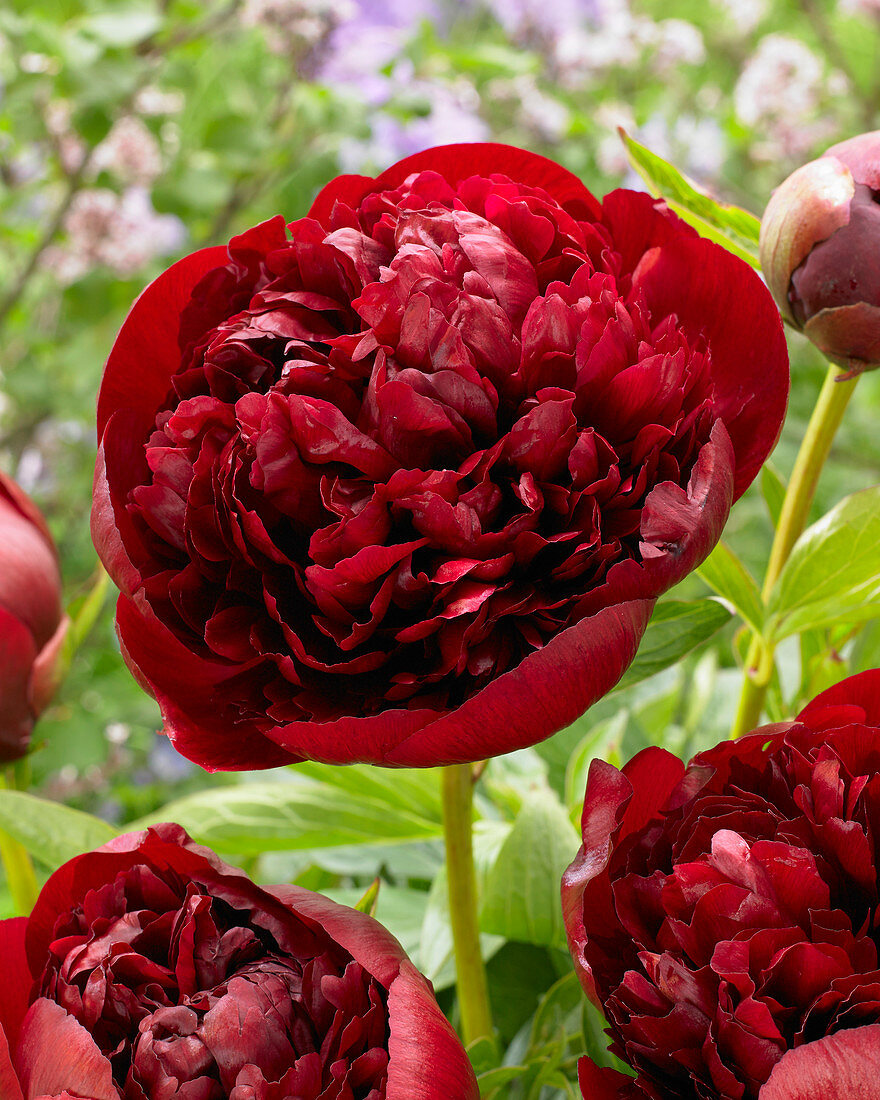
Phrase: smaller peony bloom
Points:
(723, 914)
(32, 620)
(149, 969)
(819, 242)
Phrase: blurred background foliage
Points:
(132, 132)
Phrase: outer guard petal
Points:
(75, 1064)
(713, 292)
(133, 379)
(17, 981)
(457, 162)
(844, 1064)
(832, 707)
(605, 1084)
(417, 1026)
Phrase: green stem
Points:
(470, 973)
(827, 415)
(17, 864)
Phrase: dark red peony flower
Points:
(403, 484)
(32, 621)
(149, 969)
(726, 915)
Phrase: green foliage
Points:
(833, 573)
(51, 832)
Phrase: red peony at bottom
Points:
(725, 915)
(149, 970)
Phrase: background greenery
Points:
(133, 132)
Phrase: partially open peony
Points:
(725, 914)
(149, 969)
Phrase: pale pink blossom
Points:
(121, 232)
(780, 92)
(130, 152)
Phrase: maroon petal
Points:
(605, 1084)
(855, 699)
(17, 656)
(714, 293)
(417, 1025)
(532, 701)
(17, 978)
(75, 1064)
(841, 1065)
(456, 163)
(367, 941)
(136, 380)
(171, 672)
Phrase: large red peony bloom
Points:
(149, 969)
(32, 620)
(726, 915)
(402, 484)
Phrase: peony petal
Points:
(75, 1064)
(367, 941)
(638, 223)
(533, 700)
(17, 978)
(605, 1084)
(417, 1025)
(861, 693)
(171, 672)
(838, 1066)
(458, 162)
(10, 1089)
(138, 381)
(714, 293)
(17, 656)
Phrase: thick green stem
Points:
(17, 864)
(470, 973)
(827, 415)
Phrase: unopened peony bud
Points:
(32, 623)
(820, 242)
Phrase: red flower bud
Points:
(820, 239)
(149, 969)
(32, 622)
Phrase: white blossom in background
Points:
(152, 101)
(543, 115)
(779, 94)
(612, 36)
(869, 8)
(745, 15)
(121, 232)
(610, 150)
(677, 42)
(130, 152)
(68, 144)
(289, 23)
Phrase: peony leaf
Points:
(370, 899)
(300, 814)
(833, 573)
(773, 487)
(724, 572)
(52, 833)
(730, 226)
(521, 900)
(676, 627)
